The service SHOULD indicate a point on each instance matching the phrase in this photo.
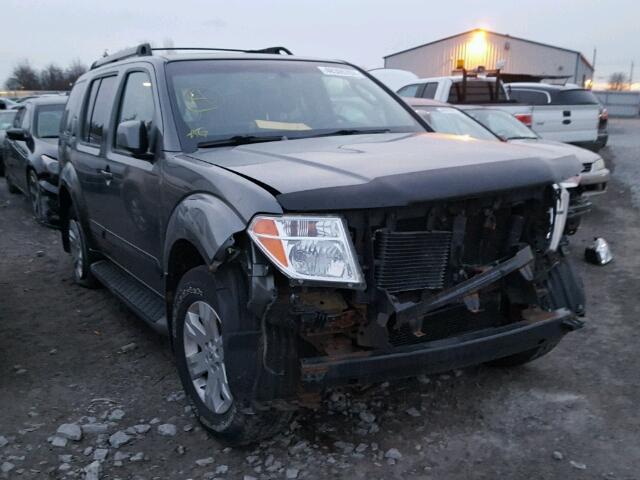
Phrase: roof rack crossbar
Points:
(268, 50)
(142, 50)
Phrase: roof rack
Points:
(142, 50)
(145, 50)
(268, 50)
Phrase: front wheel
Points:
(35, 196)
(206, 308)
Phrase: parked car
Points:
(31, 152)
(565, 113)
(6, 121)
(446, 118)
(298, 227)
(567, 117)
(6, 103)
(487, 123)
(457, 89)
(595, 174)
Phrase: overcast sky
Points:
(359, 31)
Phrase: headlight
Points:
(308, 248)
(598, 165)
(51, 164)
(559, 214)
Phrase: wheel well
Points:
(183, 257)
(64, 200)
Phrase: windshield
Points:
(502, 123)
(6, 119)
(48, 121)
(219, 99)
(453, 121)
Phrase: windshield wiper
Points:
(522, 138)
(351, 131)
(240, 140)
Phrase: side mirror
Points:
(17, 134)
(132, 137)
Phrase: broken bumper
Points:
(539, 330)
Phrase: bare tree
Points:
(52, 77)
(23, 77)
(618, 81)
(73, 71)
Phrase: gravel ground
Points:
(71, 358)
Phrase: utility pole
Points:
(593, 62)
(631, 75)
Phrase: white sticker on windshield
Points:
(341, 72)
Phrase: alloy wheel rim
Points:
(34, 194)
(204, 354)
(75, 245)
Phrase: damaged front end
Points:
(444, 285)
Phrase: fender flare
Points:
(205, 221)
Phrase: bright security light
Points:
(477, 47)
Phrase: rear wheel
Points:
(80, 254)
(207, 308)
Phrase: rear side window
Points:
(429, 90)
(98, 109)
(576, 97)
(409, 90)
(137, 100)
(530, 97)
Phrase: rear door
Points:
(88, 157)
(580, 115)
(134, 193)
(559, 116)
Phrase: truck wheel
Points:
(205, 307)
(80, 254)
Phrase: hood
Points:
(49, 147)
(559, 148)
(388, 170)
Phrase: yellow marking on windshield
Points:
(269, 125)
(198, 132)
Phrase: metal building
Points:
(513, 55)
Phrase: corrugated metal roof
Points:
(493, 33)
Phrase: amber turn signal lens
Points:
(264, 228)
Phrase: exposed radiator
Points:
(411, 260)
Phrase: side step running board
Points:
(144, 302)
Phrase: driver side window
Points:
(137, 100)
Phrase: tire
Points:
(206, 306)
(80, 253)
(12, 188)
(1, 165)
(35, 196)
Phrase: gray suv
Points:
(293, 225)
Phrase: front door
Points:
(134, 194)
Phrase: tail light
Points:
(525, 118)
(604, 114)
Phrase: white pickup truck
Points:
(562, 113)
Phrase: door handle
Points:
(107, 175)
(566, 113)
(566, 122)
